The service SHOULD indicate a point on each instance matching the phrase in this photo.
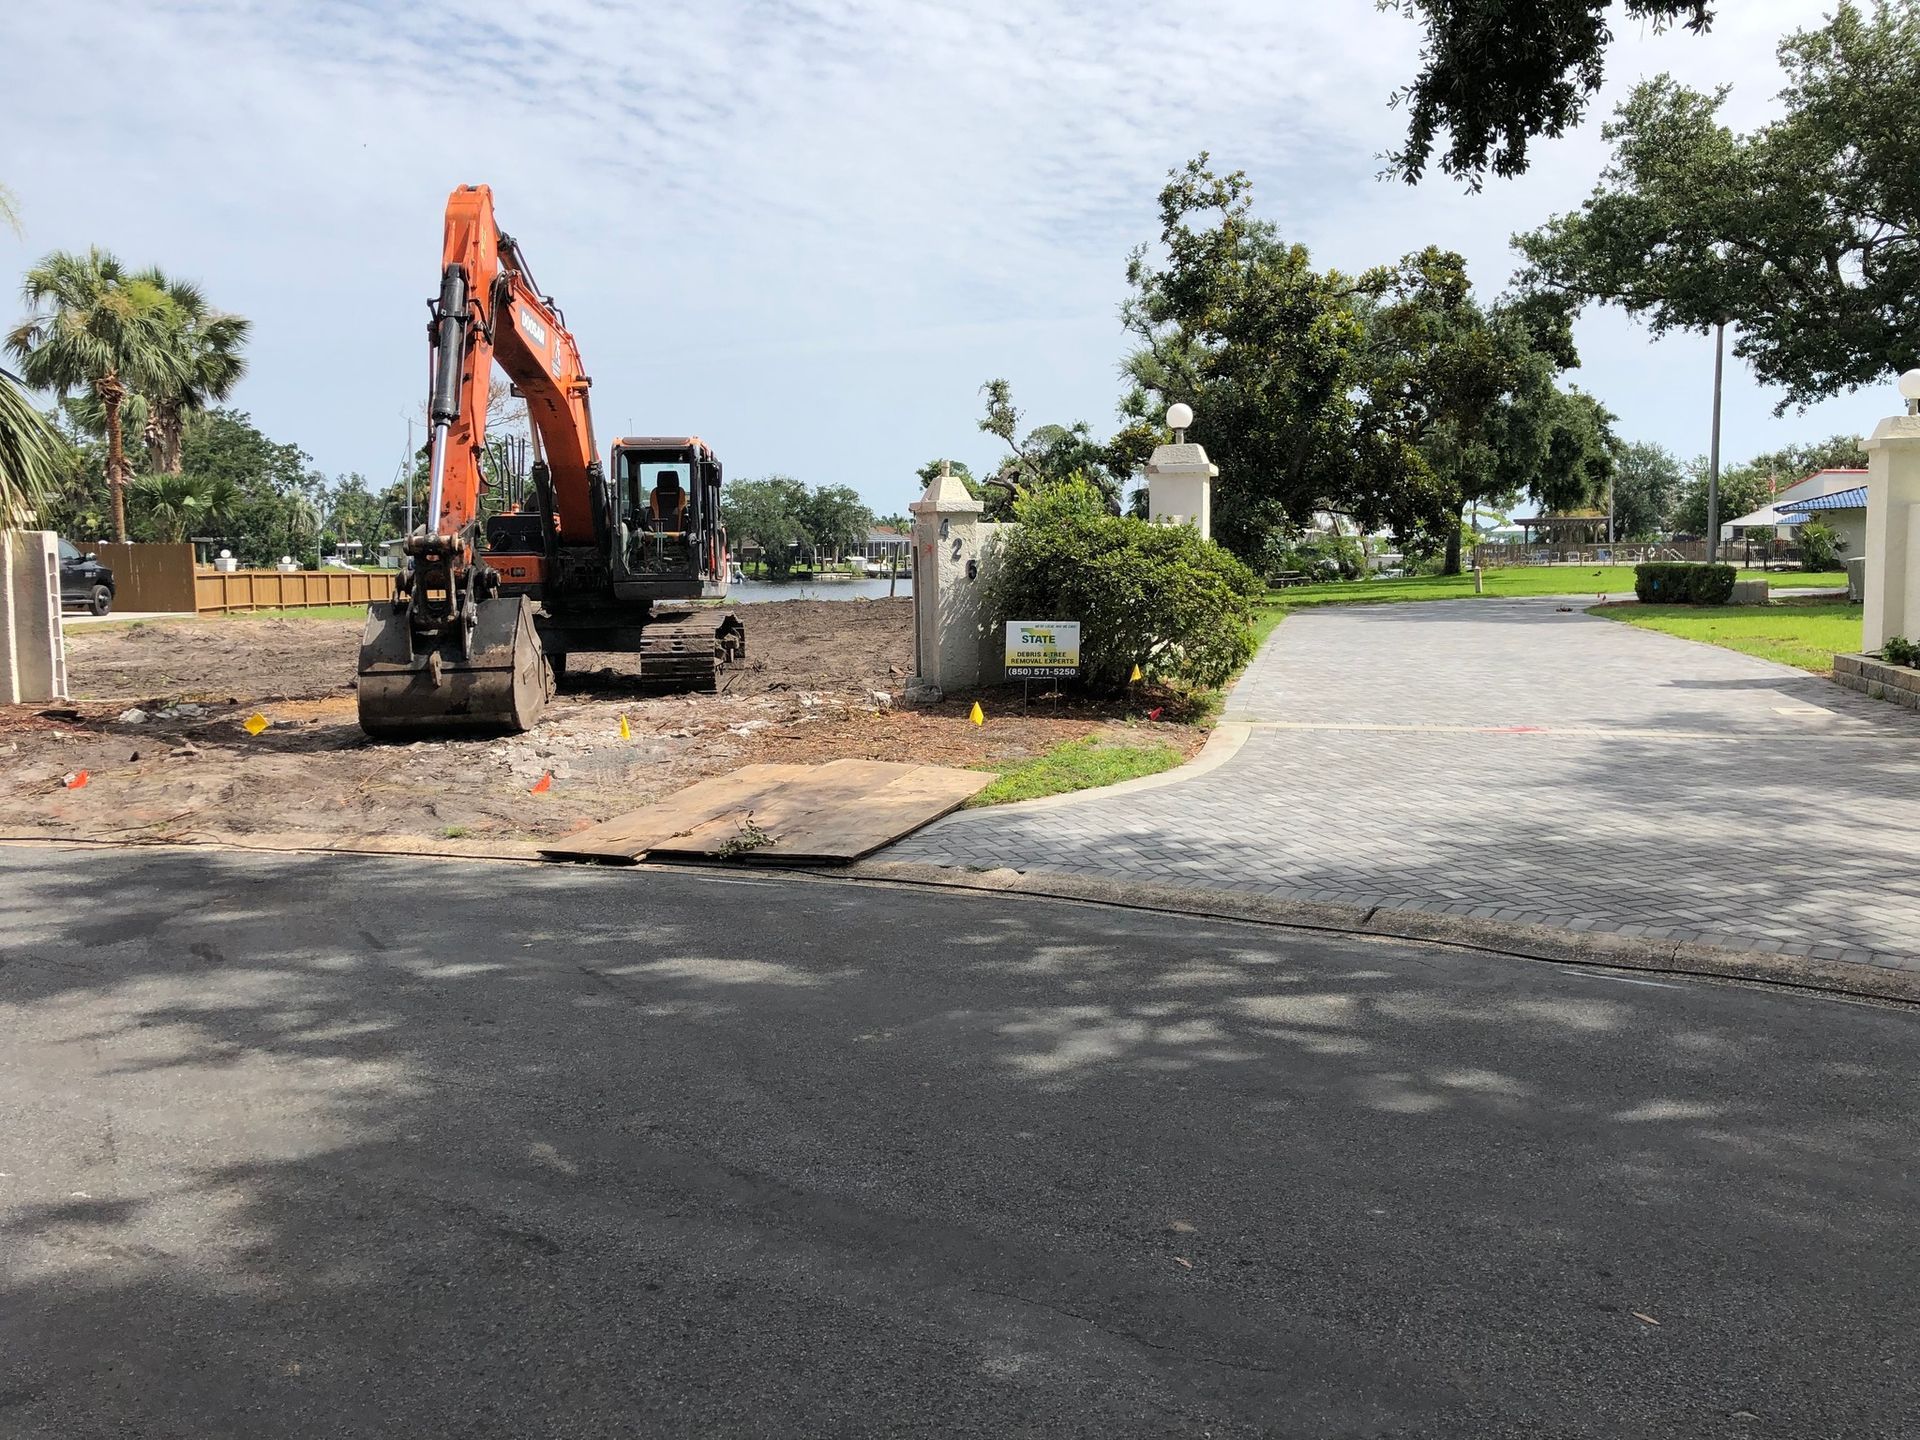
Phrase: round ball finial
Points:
(1910, 385)
(1180, 414)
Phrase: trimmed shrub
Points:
(1898, 650)
(1153, 595)
(1667, 582)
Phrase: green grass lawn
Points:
(1806, 634)
(1611, 580)
(1077, 765)
(299, 612)
(302, 612)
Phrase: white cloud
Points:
(807, 230)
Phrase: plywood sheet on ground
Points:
(628, 837)
(800, 814)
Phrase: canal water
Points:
(748, 591)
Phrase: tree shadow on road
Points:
(324, 1146)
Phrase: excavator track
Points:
(682, 651)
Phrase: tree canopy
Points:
(95, 326)
(1803, 235)
(1394, 397)
(780, 515)
(205, 364)
(835, 518)
(1047, 455)
(1497, 74)
(1646, 486)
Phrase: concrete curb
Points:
(1504, 937)
(1500, 937)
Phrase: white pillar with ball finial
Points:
(1180, 478)
(1893, 523)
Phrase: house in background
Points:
(887, 546)
(1844, 511)
(1837, 498)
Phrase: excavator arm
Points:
(490, 312)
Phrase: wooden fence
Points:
(165, 579)
(217, 591)
(148, 577)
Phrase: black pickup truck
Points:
(85, 583)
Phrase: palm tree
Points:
(176, 504)
(29, 455)
(206, 366)
(98, 328)
(28, 446)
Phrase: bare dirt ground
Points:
(821, 681)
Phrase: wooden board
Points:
(896, 809)
(625, 838)
(798, 814)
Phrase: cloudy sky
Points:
(805, 229)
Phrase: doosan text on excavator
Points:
(600, 559)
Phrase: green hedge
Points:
(1156, 596)
(1666, 582)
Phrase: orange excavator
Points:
(485, 613)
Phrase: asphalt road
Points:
(380, 1147)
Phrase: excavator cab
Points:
(672, 545)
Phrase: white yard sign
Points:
(1043, 649)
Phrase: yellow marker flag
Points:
(977, 715)
(1137, 676)
(626, 731)
(255, 723)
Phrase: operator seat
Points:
(667, 506)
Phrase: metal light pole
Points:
(1713, 454)
(407, 471)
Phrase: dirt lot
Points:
(821, 681)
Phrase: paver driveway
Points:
(1521, 760)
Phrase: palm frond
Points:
(29, 455)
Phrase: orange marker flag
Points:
(977, 715)
(542, 785)
(74, 781)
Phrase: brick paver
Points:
(1516, 760)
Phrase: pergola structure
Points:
(1562, 529)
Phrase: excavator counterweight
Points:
(487, 610)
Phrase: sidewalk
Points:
(1504, 761)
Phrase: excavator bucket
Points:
(410, 687)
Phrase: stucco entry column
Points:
(1893, 530)
(947, 594)
(32, 657)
